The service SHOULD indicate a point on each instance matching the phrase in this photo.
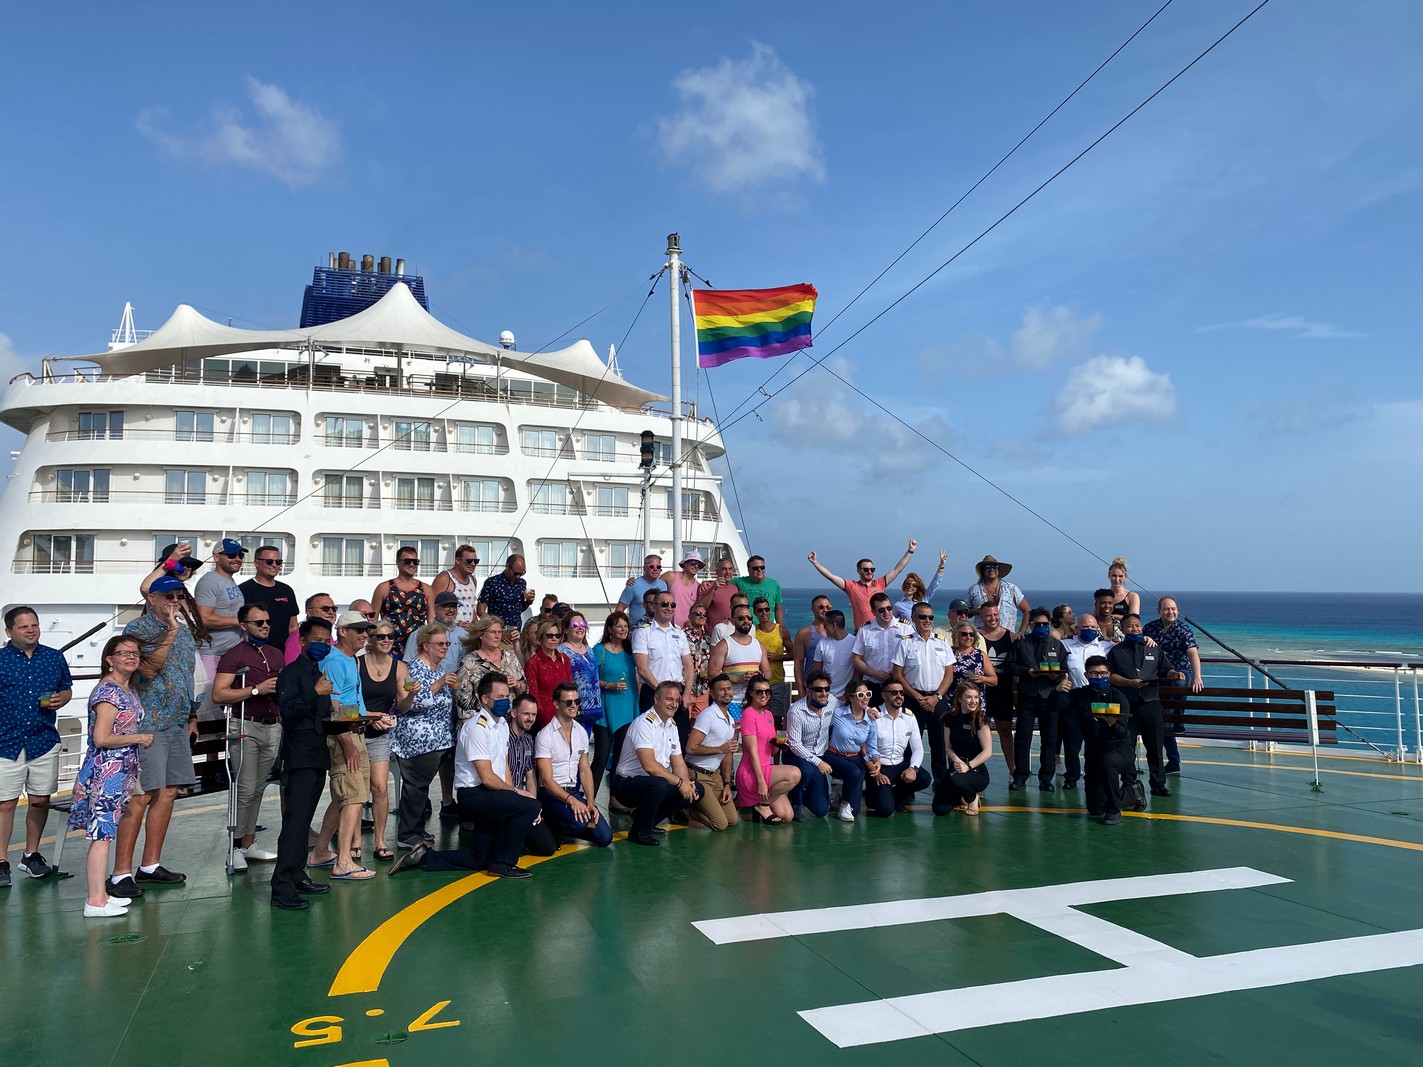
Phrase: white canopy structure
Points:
(396, 323)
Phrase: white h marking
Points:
(1151, 972)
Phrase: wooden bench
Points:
(1250, 714)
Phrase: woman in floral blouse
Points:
(423, 735)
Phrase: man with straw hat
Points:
(992, 589)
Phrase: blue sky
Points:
(1197, 348)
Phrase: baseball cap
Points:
(231, 547)
(165, 583)
(441, 599)
(353, 620)
(960, 604)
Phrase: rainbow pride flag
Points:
(745, 323)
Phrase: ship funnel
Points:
(400, 268)
(368, 263)
(331, 260)
(343, 260)
(385, 264)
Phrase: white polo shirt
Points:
(1078, 654)
(924, 661)
(649, 731)
(719, 729)
(482, 737)
(664, 647)
(898, 736)
(563, 754)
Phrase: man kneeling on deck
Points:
(651, 777)
(502, 813)
(565, 777)
(711, 748)
(1105, 714)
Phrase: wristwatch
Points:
(255, 691)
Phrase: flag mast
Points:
(674, 267)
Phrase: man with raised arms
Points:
(866, 584)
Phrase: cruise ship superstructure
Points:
(340, 441)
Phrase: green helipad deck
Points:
(1247, 919)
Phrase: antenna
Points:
(125, 334)
(613, 367)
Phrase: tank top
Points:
(407, 611)
(998, 649)
(774, 646)
(468, 594)
(1120, 609)
(741, 663)
(379, 696)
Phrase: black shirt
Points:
(1142, 661)
(304, 713)
(1030, 653)
(280, 602)
(1103, 731)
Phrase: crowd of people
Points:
(697, 704)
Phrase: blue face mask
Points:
(1099, 683)
(1088, 636)
(1041, 629)
(317, 650)
(257, 641)
(1135, 639)
(501, 708)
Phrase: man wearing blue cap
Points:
(219, 599)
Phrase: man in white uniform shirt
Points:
(502, 813)
(876, 642)
(565, 776)
(651, 777)
(924, 665)
(900, 753)
(835, 654)
(711, 750)
(1088, 641)
(661, 653)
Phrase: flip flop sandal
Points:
(324, 863)
(360, 874)
(385, 855)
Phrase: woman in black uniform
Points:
(968, 744)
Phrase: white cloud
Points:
(288, 140)
(1107, 390)
(743, 123)
(11, 362)
(1296, 325)
(1051, 334)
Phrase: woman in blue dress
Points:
(109, 773)
(617, 680)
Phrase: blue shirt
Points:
(453, 655)
(168, 698)
(345, 679)
(848, 735)
(633, 594)
(504, 597)
(25, 727)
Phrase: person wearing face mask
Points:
(1111, 744)
(1081, 646)
(304, 699)
(502, 810)
(1040, 662)
(257, 731)
(807, 738)
(1138, 669)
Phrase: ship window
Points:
(269, 429)
(415, 494)
(343, 557)
(82, 486)
(343, 491)
(429, 549)
(611, 500)
(550, 498)
(481, 494)
(342, 432)
(475, 439)
(600, 448)
(662, 453)
(252, 542)
(691, 504)
(194, 426)
(96, 425)
(559, 559)
(184, 487)
(271, 488)
(412, 436)
(539, 442)
(163, 540)
(624, 558)
(64, 554)
(493, 552)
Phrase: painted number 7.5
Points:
(327, 1029)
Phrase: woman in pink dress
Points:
(762, 784)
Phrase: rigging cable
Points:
(965, 195)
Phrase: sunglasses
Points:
(472, 560)
(760, 692)
(884, 608)
(761, 568)
(820, 689)
(924, 618)
(409, 562)
(579, 626)
(259, 622)
(384, 637)
(273, 562)
(892, 692)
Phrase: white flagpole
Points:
(674, 266)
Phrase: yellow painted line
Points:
(365, 966)
(1401, 777)
(1208, 820)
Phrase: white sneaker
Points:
(845, 814)
(257, 854)
(238, 860)
(122, 902)
(108, 910)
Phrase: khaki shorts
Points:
(39, 777)
(347, 787)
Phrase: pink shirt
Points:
(860, 595)
(685, 594)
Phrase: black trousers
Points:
(302, 794)
(884, 800)
(1148, 725)
(959, 788)
(934, 740)
(1045, 711)
(416, 774)
(1069, 721)
(1106, 769)
(602, 741)
(651, 800)
(502, 820)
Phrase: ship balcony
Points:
(167, 497)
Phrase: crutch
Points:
(234, 764)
